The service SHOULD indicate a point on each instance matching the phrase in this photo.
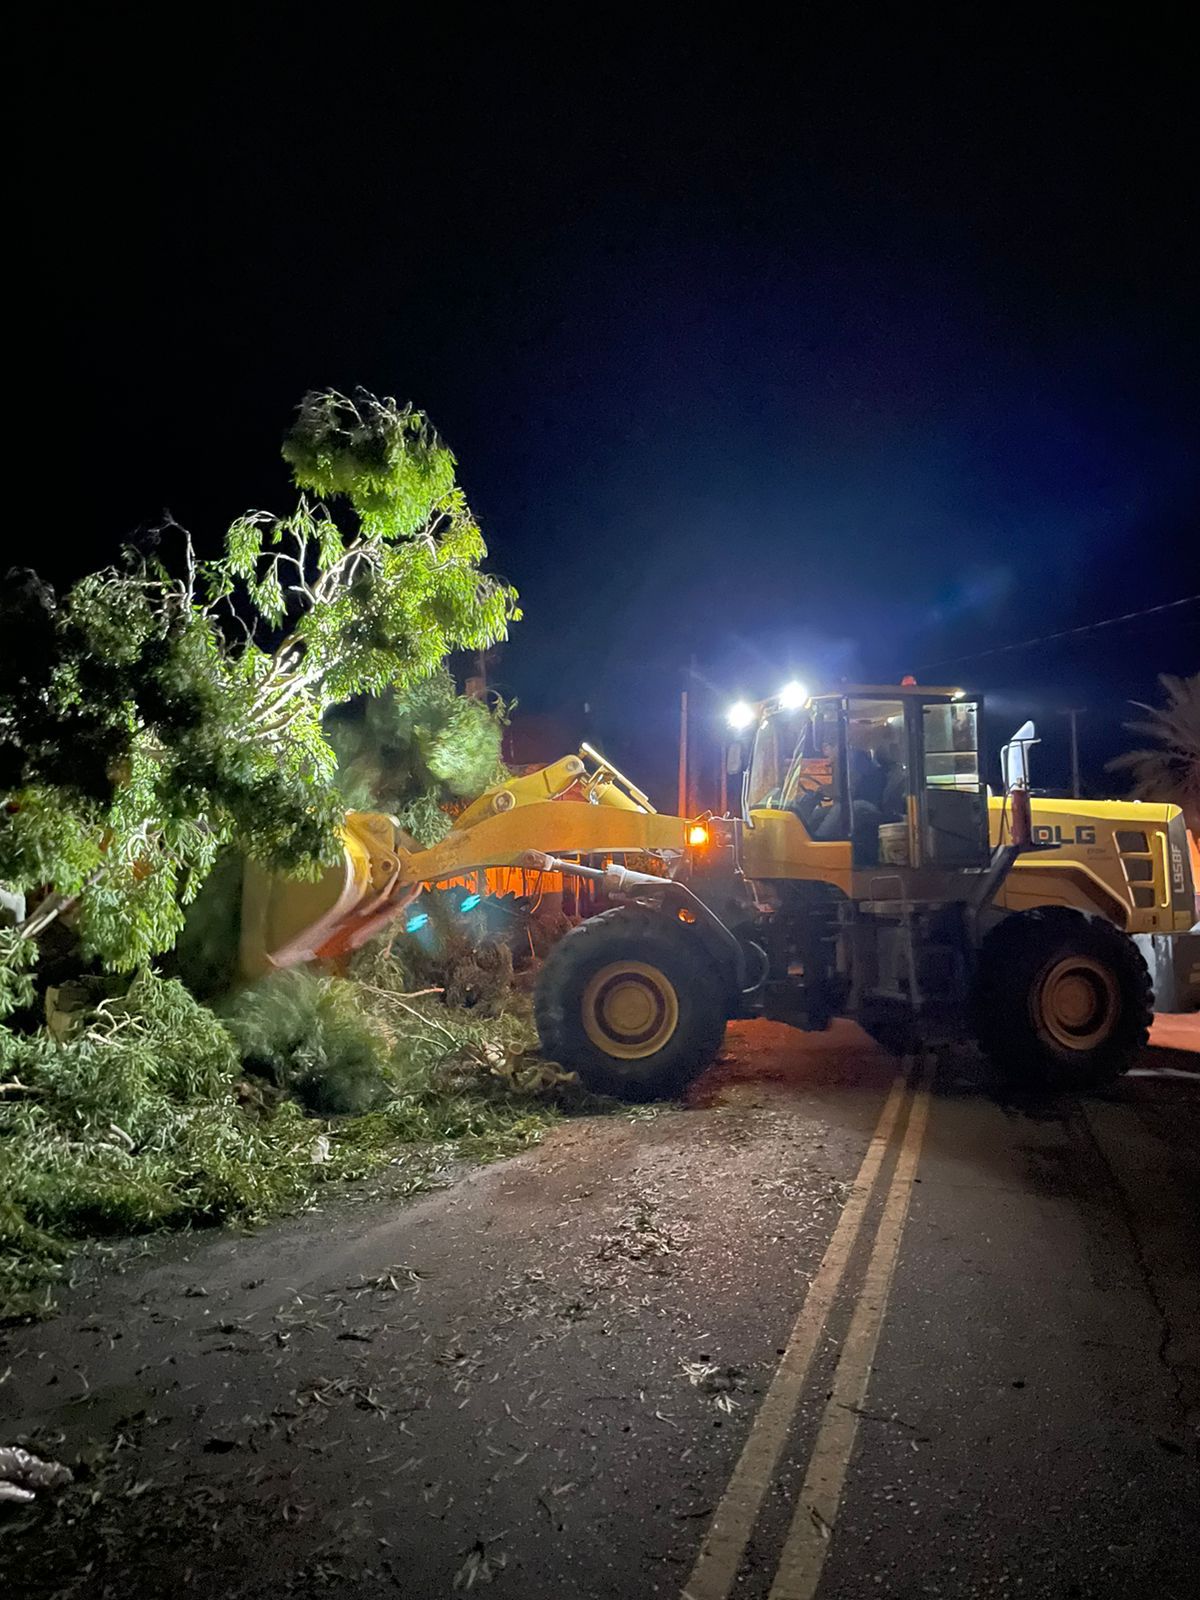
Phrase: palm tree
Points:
(1172, 771)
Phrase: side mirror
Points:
(733, 759)
(1014, 757)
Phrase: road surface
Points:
(829, 1330)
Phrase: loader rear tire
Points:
(1063, 1001)
(632, 1003)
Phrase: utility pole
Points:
(1075, 716)
(688, 802)
(683, 753)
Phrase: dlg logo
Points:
(1082, 833)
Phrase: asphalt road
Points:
(826, 1330)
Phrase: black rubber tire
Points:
(1016, 958)
(631, 934)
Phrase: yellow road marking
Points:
(733, 1521)
(817, 1507)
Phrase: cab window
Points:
(782, 748)
(766, 777)
(877, 759)
(951, 745)
(953, 801)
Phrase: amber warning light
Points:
(697, 834)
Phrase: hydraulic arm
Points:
(578, 805)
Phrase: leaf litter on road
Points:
(718, 1382)
(479, 1566)
(390, 1281)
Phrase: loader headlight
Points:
(740, 715)
(697, 835)
(792, 696)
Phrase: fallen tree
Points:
(417, 753)
(169, 708)
(151, 1112)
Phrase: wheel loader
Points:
(870, 873)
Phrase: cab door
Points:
(951, 796)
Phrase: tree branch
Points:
(54, 905)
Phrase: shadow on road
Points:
(772, 1058)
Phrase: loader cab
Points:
(895, 771)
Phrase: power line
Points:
(1065, 633)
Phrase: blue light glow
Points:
(416, 922)
(470, 902)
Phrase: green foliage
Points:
(142, 1119)
(412, 753)
(160, 711)
(471, 1077)
(17, 957)
(387, 460)
(135, 1122)
(30, 1259)
(306, 1034)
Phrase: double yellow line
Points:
(816, 1511)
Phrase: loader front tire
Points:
(636, 1007)
(1063, 1001)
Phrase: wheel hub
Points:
(630, 1010)
(1077, 1003)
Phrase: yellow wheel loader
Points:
(870, 874)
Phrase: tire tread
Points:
(630, 932)
(1012, 956)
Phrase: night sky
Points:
(846, 351)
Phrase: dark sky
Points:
(839, 351)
